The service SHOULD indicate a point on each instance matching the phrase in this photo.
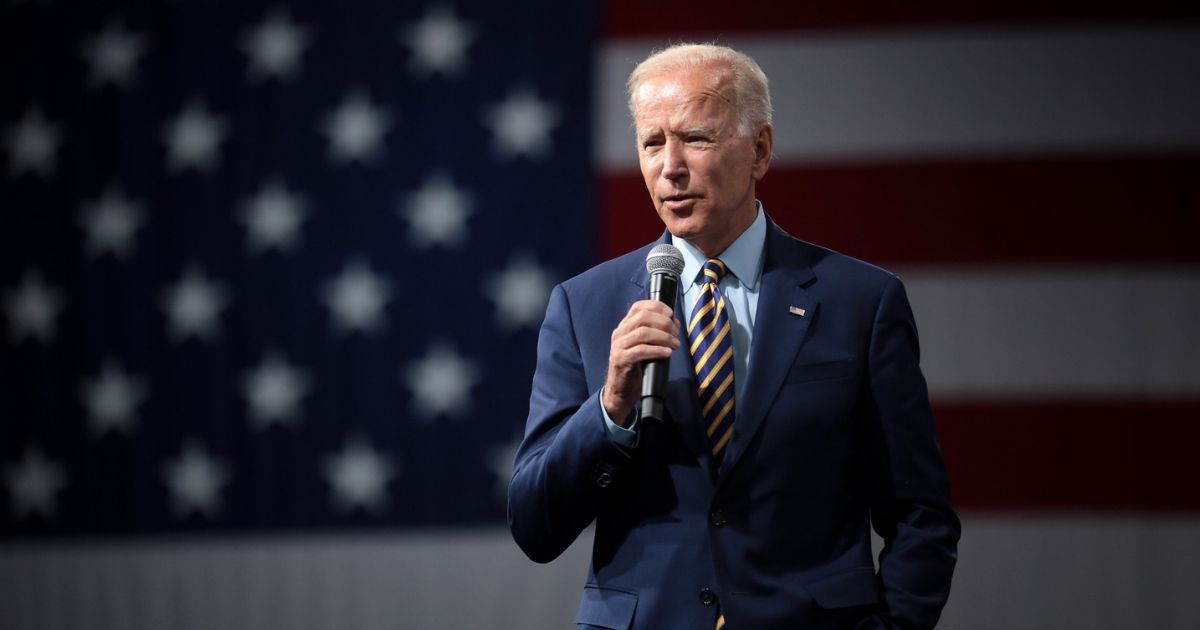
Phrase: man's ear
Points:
(764, 143)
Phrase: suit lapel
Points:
(779, 331)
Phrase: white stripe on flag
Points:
(1018, 573)
(1082, 571)
(953, 91)
(1028, 333)
(468, 579)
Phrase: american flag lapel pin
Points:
(796, 310)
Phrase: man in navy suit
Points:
(750, 505)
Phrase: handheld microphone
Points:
(664, 263)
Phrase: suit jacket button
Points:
(603, 479)
(707, 597)
(717, 518)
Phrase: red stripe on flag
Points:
(711, 18)
(1092, 455)
(1107, 210)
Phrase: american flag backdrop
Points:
(271, 275)
(281, 267)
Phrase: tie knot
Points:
(714, 270)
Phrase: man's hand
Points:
(648, 332)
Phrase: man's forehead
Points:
(660, 87)
(689, 85)
(674, 102)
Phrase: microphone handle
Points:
(664, 287)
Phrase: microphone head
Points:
(665, 258)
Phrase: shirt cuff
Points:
(625, 436)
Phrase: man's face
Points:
(699, 170)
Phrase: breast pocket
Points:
(804, 372)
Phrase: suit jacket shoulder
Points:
(786, 249)
(612, 272)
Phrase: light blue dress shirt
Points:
(744, 259)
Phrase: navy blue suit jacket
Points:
(834, 434)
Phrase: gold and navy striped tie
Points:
(712, 354)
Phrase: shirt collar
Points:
(743, 257)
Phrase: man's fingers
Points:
(634, 355)
(645, 336)
(648, 332)
(653, 336)
(650, 314)
(651, 308)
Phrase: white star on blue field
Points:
(277, 270)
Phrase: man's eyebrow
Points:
(698, 130)
(649, 133)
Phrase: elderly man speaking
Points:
(795, 415)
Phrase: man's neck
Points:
(744, 220)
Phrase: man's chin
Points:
(680, 231)
(680, 225)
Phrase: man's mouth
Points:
(678, 202)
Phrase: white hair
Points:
(751, 96)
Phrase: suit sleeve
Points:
(566, 461)
(909, 488)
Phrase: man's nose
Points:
(674, 160)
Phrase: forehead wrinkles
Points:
(677, 109)
(719, 92)
(695, 85)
